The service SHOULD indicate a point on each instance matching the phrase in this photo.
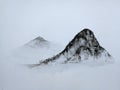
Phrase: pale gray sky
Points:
(58, 20)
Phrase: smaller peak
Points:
(38, 42)
(40, 38)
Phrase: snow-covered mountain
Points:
(82, 47)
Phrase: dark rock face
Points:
(83, 46)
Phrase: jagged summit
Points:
(82, 47)
(37, 42)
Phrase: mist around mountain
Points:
(35, 49)
(84, 46)
(21, 21)
(82, 65)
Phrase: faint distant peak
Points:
(38, 42)
(39, 38)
